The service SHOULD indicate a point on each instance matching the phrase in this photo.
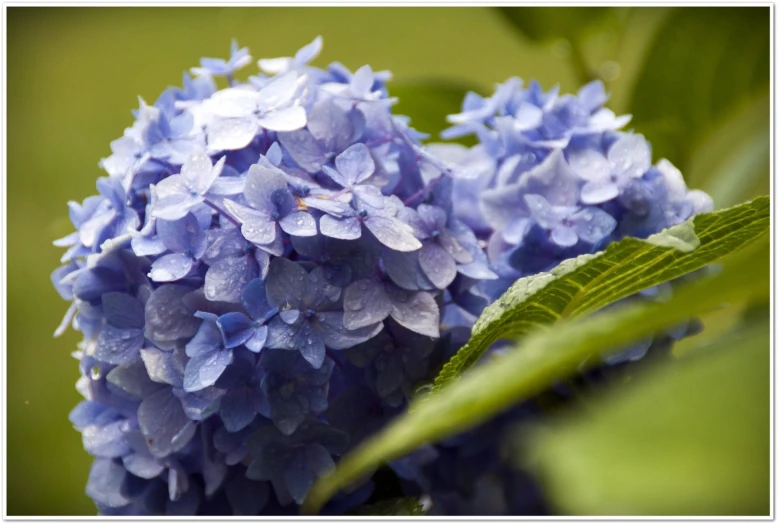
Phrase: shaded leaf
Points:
(393, 507)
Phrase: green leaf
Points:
(546, 23)
(704, 63)
(544, 357)
(393, 507)
(590, 282)
(690, 437)
(429, 101)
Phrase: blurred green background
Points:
(695, 79)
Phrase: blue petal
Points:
(180, 235)
(118, 345)
(225, 279)
(164, 424)
(142, 465)
(337, 337)
(236, 328)
(298, 477)
(106, 440)
(203, 371)
(171, 267)
(163, 367)
(257, 341)
(231, 133)
(319, 460)
(238, 408)
(254, 299)
(167, 317)
(123, 310)
(304, 149)
(437, 264)
(106, 478)
(286, 283)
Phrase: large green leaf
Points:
(544, 357)
(704, 63)
(590, 282)
(691, 437)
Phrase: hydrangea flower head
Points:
(256, 254)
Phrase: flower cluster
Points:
(272, 267)
(257, 258)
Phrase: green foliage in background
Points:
(603, 460)
(695, 79)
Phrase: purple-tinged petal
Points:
(589, 164)
(164, 424)
(167, 317)
(417, 311)
(257, 341)
(630, 156)
(164, 367)
(304, 149)
(262, 183)
(437, 264)
(238, 408)
(335, 334)
(298, 477)
(286, 283)
(365, 303)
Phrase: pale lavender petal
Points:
(287, 119)
(630, 156)
(589, 164)
(355, 164)
(417, 311)
(171, 267)
(278, 92)
(600, 191)
(233, 103)
(564, 236)
(592, 224)
(231, 134)
(346, 228)
(256, 226)
(262, 183)
(299, 223)
(392, 233)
